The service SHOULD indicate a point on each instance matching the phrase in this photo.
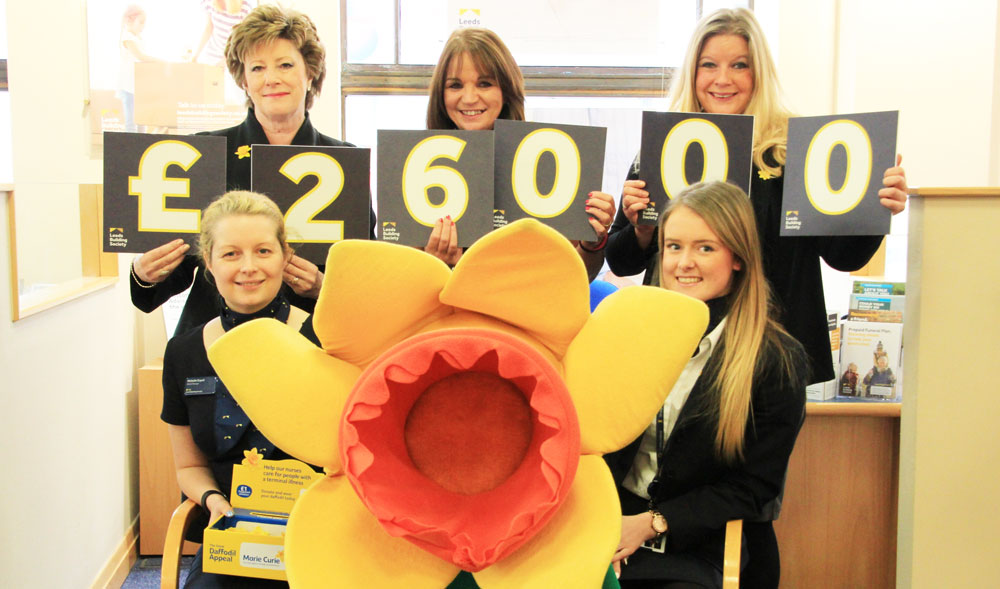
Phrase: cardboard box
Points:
(251, 543)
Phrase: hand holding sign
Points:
(893, 196)
(156, 264)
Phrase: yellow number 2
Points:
(300, 217)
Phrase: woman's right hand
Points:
(443, 242)
(636, 529)
(635, 199)
(155, 265)
(218, 506)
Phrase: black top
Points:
(203, 300)
(791, 265)
(195, 397)
(696, 491)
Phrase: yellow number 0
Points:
(524, 173)
(856, 142)
(675, 148)
(300, 217)
(152, 186)
(419, 175)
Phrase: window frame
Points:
(575, 81)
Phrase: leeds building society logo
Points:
(116, 237)
(389, 232)
(792, 221)
(469, 17)
(499, 218)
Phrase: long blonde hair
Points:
(770, 133)
(751, 337)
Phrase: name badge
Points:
(200, 385)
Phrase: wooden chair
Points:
(731, 557)
(173, 544)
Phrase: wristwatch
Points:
(659, 523)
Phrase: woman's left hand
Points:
(303, 276)
(601, 211)
(893, 196)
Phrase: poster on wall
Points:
(158, 67)
(834, 172)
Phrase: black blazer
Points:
(697, 492)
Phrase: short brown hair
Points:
(267, 23)
(492, 58)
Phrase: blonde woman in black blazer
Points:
(720, 448)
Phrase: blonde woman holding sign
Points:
(476, 81)
(728, 69)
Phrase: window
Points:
(586, 62)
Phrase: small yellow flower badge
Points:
(251, 457)
(243, 151)
(764, 174)
(463, 428)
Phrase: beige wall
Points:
(936, 63)
(67, 425)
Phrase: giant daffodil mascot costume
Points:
(461, 415)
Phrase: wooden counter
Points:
(838, 522)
